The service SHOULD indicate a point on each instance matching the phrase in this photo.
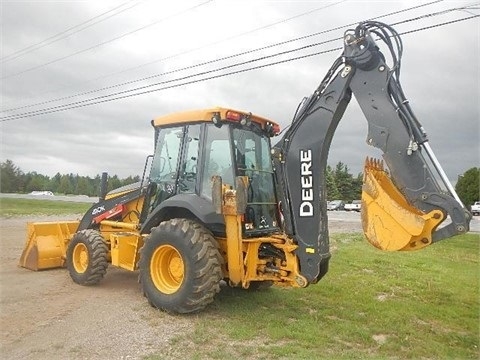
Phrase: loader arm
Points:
(404, 202)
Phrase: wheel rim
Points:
(167, 269)
(80, 258)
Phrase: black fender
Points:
(189, 206)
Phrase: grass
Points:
(371, 304)
(16, 207)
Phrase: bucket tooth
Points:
(374, 164)
(388, 220)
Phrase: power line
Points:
(438, 25)
(105, 42)
(177, 85)
(281, 53)
(191, 50)
(123, 95)
(257, 29)
(175, 71)
(184, 77)
(67, 32)
(35, 112)
(227, 39)
(226, 57)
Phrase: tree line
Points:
(340, 183)
(14, 180)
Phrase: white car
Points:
(42, 193)
(335, 205)
(355, 205)
(475, 208)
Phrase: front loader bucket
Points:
(46, 244)
(389, 221)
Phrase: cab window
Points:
(218, 158)
(189, 168)
(164, 166)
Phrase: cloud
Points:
(439, 74)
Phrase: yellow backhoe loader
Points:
(218, 202)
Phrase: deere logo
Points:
(306, 207)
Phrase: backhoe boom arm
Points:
(402, 207)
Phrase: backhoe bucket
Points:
(46, 244)
(389, 221)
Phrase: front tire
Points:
(87, 260)
(180, 267)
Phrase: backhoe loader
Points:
(217, 202)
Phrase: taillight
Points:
(233, 115)
(243, 119)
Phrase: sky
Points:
(55, 53)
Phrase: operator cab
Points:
(191, 147)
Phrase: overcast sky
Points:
(59, 50)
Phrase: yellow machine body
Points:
(273, 225)
(47, 242)
(241, 254)
(388, 221)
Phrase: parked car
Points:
(335, 205)
(355, 205)
(475, 208)
(42, 193)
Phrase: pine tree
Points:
(468, 186)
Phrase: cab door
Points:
(165, 164)
(189, 162)
(175, 163)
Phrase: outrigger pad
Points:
(388, 220)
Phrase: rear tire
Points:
(180, 267)
(87, 257)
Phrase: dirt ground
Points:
(44, 315)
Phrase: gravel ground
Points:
(44, 315)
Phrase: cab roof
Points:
(206, 115)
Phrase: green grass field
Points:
(16, 207)
(371, 304)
